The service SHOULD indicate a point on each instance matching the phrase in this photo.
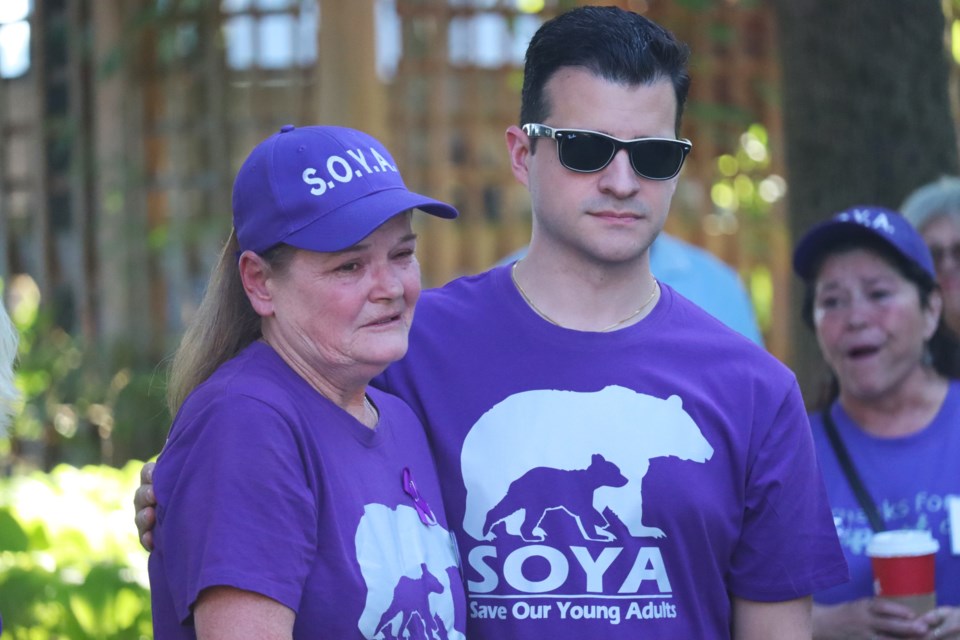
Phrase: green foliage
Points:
(745, 189)
(80, 405)
(70, 563)
(744, 184)
(955, 41)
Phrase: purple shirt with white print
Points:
(265, 485)
(913, 481)
(614, 485)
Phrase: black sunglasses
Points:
(589, 151)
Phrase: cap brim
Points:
(346, 226)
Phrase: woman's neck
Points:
(347, 392)
(900, 413)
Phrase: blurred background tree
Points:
(867, 114)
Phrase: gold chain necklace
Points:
(523, 294)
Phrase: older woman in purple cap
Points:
(294, 501)
(887, 429)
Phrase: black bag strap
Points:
(843, 456)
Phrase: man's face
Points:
(612, 215)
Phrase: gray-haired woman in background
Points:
(934, 210)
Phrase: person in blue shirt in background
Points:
(701, 277)
(8, 356)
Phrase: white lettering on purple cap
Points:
(333, 162)
(864, 217)
(359, 157)
(340, 169)
(309, 177)
(384, 165)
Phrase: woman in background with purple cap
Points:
(887, 430)
(293, 500)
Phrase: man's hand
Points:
(144, 502)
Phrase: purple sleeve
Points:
(788, 546)
(235, 507)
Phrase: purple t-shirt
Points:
(614, 485)
(267, 486)
(909, 479)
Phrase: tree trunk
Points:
(866, 116)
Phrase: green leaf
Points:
(84, 612)
(12, 535)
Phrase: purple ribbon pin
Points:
(423, 509)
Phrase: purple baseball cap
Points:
(862, 222)
(321, 189)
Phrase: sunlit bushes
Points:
(70, 563)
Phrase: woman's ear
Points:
(255, 274)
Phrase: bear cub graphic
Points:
(544, 489)
(410, 602)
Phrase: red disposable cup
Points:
(903, 567)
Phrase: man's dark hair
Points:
(613, 44)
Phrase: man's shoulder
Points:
(693, 328)
(465, 291)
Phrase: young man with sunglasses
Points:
(616, 463)
(620, 464)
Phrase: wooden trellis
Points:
(119, 150)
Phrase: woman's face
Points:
(942, 235)
(347, 315)
(869, 323)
